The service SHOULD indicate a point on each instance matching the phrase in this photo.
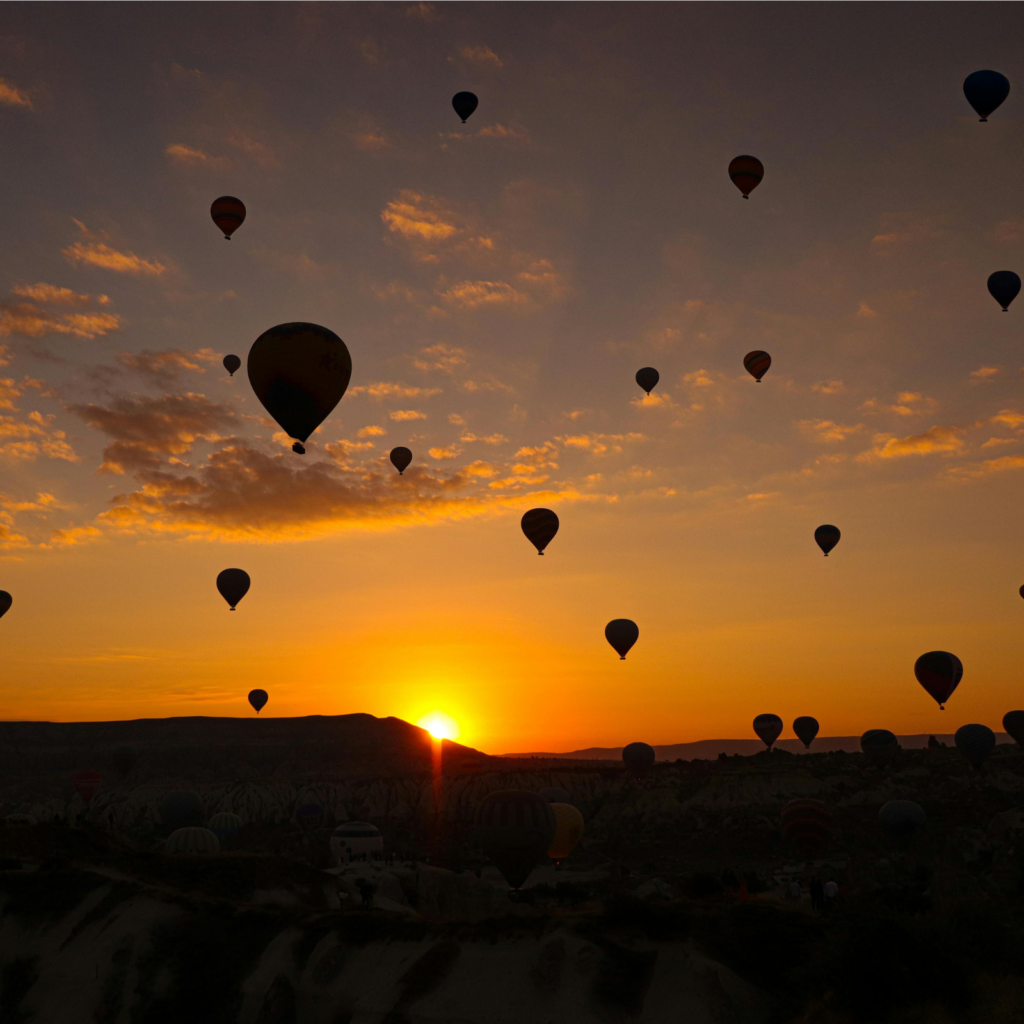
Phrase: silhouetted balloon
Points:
(464, 104)
(228, 214)
(5, 603)
(258, 699)
(125, 758)
(901, 818)
(827, 537)
(233, 585)
(756, 363)
(976, 742)
(231, 363)
(1003, 286)
(540, 526)
(87, 784)
(985, 90)
(647, 378)
(806, 824)
(181, 809)
(554, 794)
(515, 829)
(1021, 592)
(400, 459)
(879, 743)
(1013, 723)
(299, 372)
(192, 841)
(621, 634)
(638, 757)
(768, 728)
(226, 826)
(568, 831)
(939, 672)
(355, 839)
(310, 816)
(746, 173)
(806, 728)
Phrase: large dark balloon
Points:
(939, 672)
(540, 526)
(901, 818)
(1003, 286)
(746, 173)
(554, 795)
(756, 363)
(400, 459)
(258, 699)
(232, 363)
(181, 809)
(985, 90)
(768, 729)
(125, 759)
(310, 816)
(5, 603)
(976, 742)
(647, 377)
(233, 585)
(827, 537)
(806, 728)
(879, 743)
(621, 634)
(464, 104)
(515, 829)
(1013, 723)
(87, 784)
(228, 214)
(299, 372)
(806, 824)
(638, 757)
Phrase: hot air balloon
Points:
(1013, 723)
(258, 699)
(5, 603)
(901, 819)
(568, 831)
(806, 728)
(87, 784)
(299, 372)
(125, 759)
(1003, 286)
(939, 672)
(233, 585)
(768, 728)
(806, 824)
(638, 757)
(226, 826)
(228, 214)
(1021, 592)
(515, 829)
(355, 839)
(464, 104)
(827, 537)
(192, 841)
(540, 526)
(621, 634)
(554, 794)
(746, 173)
(181, 808)
(400, 459)
(647, 378)
(985, 90)
(231, 363)
(310, 816)
(756, 363)
(976, 742)
(879, 743)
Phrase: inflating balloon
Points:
(568, 831)
(827, 537)
(515, 829)
(806, 824)
(879, 743)
(985, 90)
(939, 672)
(554, 794)
(226, 826)
(621, 634)
(231, 363)
(87, 784)
(638, 757)
(464, 104)
(181, 808)
(310, 816)
(228, 214)
(1003, 286)
(125, 758)
(540, 526)
(258, 699)
(192, 841)
(5, 603)
(976, 742)
(647, 378)
(756, 363)
(1013, 723)
(356, 839)
(400, 459)
(806, 728)
(233, 585)
(746, 173)
(901, 819)
(768, 729)
(299, 372)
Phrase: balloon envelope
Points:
(192, 841)
(87, 784)
(554, 794)
(621, 634)
(125, 758)
(806, 728)
(355, 839)
(647, 378)
(5, 602)
(568, 831)
(985, 90)
(233, 585)
(756, 363)
(464, 103)
(515, 830)
(225, 825)
(310, 816)
(299, 372)
(258, 699)
(1003, 286)
(939, 672)
(768, 728)
(827, 537)
(181, 808)
(901, 818)
(976, 742)
(540, 526)
(638, 757)
(746, 173)
(228, 214)
(400, 458)
(1013, 723)
(806, 824)
(879, 743)
(231, 363)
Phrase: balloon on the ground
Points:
(638, 757)
(647, 378)
(806, 824)
(464, 103)
(310, 816)
(768, 729)
(231, 363)
(515, 829)
(827, 537)
(806, 728)
(568, 831)
(20, 818)
(1013, 723)
(939, 672)
(554, 794)
(182, 808)
(746, 173)
(226, 826)
(258, 699)
(233, 585)
(986, 90)
(192, 841)
(400, 458)
(299, 372)
(540, 526)
(125, 758)
(975, 742)
(901, 819)
(87, 783)
(356, 839)
(5, 603)
(228, 214)
(1003, 286)
(879, 743)
(756, 363)
(621, 634)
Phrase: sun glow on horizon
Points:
(440, 725)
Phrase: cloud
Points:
(1009, 418)
(1009, 232)
(490, 439)
(542, 275)
(486, 385)
(400, 415)
(186, 156)
(661, 400)
(12, 96)
(387, 389)
(829, 387)
(479, 468)
(24, 440)
(370, 141)
(936, 440)
(866, 312)
(450, 451)
(826, 430)
(480, 55)
(985, 372)
(371, 431)
(996, 442)
(600, 444)
(421, 11)
(51, 293)
(988, 467)
(73, 536)
(501, 131)
(165, 367)
(454, 417)
(908, 403)
(93, 252)
(418, 217)
(440, 357)
(477, 294)
(28, 321)
(259, 152)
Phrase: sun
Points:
(440, 725)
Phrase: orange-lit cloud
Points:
(96, 253)
(401, 415)
(480, 55)
(937, 440)
(477, 294)
(259, 152)
(827, 430)
(165, 367)
(55, 295)
(418, 217)
(450, 451)
(600, 444)
(421, 11)
(187, 156)
(829, 387)
(371, 431)
(24, 440)
(12, 96)
(28, 321)
(388, 389)
(1009, 418)
(986, 372)
(440, 357)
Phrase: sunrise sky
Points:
(498, 285)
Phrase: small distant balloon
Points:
(827, 537)
(756, 363)
(540, 526)
(464, 103)
(806, 728)
(621, 634)
(768, 729)
(1013, 723)
(976, 742)
(901, 819)
(746, 173)
(87, 784)
(939, 672)
(125, 758)
(638, 757)
(233, 585)
(400, 459)
(232, 363)
(986, 90)
(1003, 286)
(5, 603)
(258, 699)
(228, 214)
(647, 377)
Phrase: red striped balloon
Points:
(746, 173)
(756, 363)
(228, 214)
(87, 784)
(806, 824)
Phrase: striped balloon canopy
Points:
(756, 363)
(746, 173)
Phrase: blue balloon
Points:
(985, 90)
